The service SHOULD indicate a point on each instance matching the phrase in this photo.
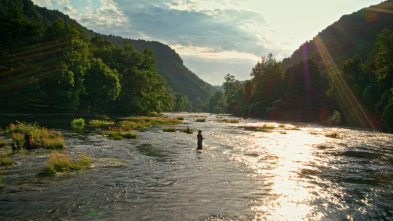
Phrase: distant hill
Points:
(169, 63)
(350, 35)
(171, 67)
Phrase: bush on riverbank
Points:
(40, 136)
(64, 163)
(78, 123)
(200, 120)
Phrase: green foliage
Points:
(180, 103)
(64, 163)
(335, 119)
(78, 123)
(342, 37)
(178, 77)
(54, 67)
(102, 86)
(387, 116)
(217, 103)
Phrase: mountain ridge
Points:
(352, 34)
(169, 64)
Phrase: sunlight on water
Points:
(251, 170)
(292, 152)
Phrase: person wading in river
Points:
(200, 138)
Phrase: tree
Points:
(102, 86)
(217, 103)
(231, 87)
(68, 55)
(179, 102)
(264, 87)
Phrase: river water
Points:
(292, 172)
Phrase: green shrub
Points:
(115, 135)
(63, 163)
(335, 119)
(169, 129)
(78, 123)
(200, 120)
(128, 135)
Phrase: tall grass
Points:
(118, 133)
(169, 129)
(224, 120)
(6, 160)
(265, 128)
(332, 135)
(41, 137)
(101, 123)
(144, 122)
(64, 163)
(189, 131)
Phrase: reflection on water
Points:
(246, 172)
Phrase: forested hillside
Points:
(350, 35)
(344, 76)
(171, 67)
(54, 66)
(25, 25)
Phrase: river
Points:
(291, 172)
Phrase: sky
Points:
(213, 37)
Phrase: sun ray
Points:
(346, 97)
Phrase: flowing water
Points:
(293, 172)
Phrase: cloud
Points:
(213, 54)
(194, 25)
(107, 18)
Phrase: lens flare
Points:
(346, 98)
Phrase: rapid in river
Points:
(246, 171)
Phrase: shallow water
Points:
(293, 172)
